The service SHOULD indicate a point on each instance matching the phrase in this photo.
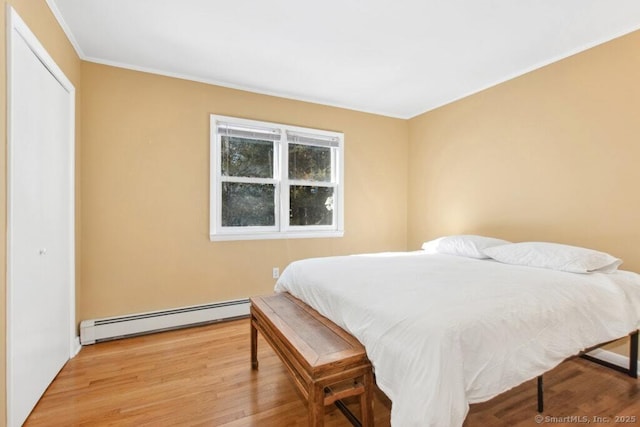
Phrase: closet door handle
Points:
(42, 251)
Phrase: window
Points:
(271, 181)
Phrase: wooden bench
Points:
(326, 363)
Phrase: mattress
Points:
(445, 331)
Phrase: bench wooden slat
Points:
(303, 325)
(341, 392)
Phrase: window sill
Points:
(276, 235)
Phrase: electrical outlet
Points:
(276, 272)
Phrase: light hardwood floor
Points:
(202, 377)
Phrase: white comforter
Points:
(444, 331)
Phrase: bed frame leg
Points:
(633, 355)
(540, 395)
(632, 369)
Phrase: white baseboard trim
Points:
(96, 330)
(76, 347)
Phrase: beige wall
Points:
(145, 192)
(42, 23)
(553, 155)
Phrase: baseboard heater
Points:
(97, 330)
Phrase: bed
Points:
(445, 330)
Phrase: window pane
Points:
(310, 163)
(246, 205)
(310, 205)
(247, 157)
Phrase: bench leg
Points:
(366, 401)
(254, 345)
(316, 406)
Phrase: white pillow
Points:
(462, 245)
(554, 256)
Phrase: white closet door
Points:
(41, 242)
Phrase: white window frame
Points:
(282, 229)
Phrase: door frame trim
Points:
(16, 27)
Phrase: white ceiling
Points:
(396, 58)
